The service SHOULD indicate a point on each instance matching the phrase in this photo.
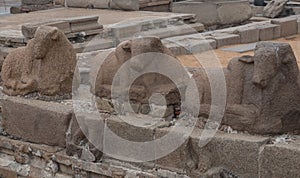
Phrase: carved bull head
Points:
(43, 40)
(271, 60)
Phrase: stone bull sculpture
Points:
(145, 85)
(46, 65)
(263, 94)
(263, 90)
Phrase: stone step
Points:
(170, 31)
(67, 25)
(8, 37)
(36, 2)
(43, 123)
(189, 44)
(241, 154)
(147, 3)
(103, 4)
(94, 45)
(216, 12)
(30, 8)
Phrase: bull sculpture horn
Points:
(126, 45)
(54, 34)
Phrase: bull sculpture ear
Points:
(247, 59)
(54, 34)
(127, 45)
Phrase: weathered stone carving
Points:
(274, 8)
(257, 86)
(46, 65)
(144, 86)
(263, 90)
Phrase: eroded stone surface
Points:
(274, 8)
(77, 143)
(274, 158)
(262, 85)
(46, 65)
(36, 121)
(145, 85)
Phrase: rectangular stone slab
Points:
(238, 153)
(28, 30)
(36, 121)
(124, 4)
(215, 12)
(268, 32)
(147, 3)
(82, 19)
(99, 4)
(67, 25)
(288, 26)
(5, 172)
(189, 44)
(36, 2)
(79, 27)
(227, 39)
(282, 160)
(241, 48)
(249, 35)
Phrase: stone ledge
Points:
(244, 155)
(280, 160)
(238, 153)
(36, 121)
(289, 26)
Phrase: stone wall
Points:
(24, 154)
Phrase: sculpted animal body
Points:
(124, 52)
(263, 94)
(143, 86)
(264, 97)
(276, 73)
(46, 65)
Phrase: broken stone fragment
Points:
(77, 143)
(86, 155)
(274, 8)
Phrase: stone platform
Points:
(117, 26)
(105, 16)
(25, 154)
